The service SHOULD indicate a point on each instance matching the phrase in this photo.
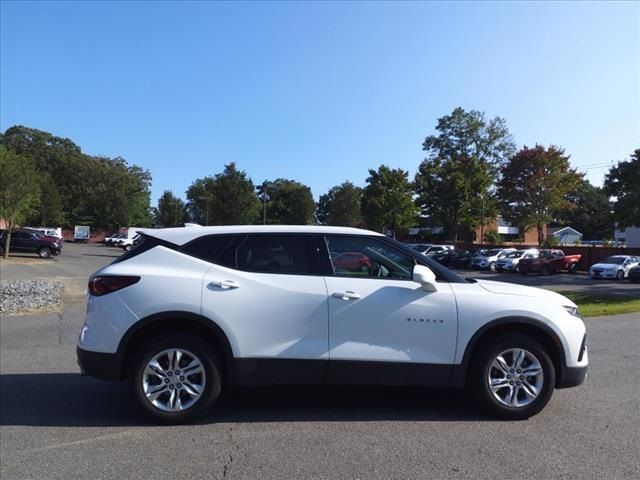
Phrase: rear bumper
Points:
(105, 366)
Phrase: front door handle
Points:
(225, 284)
(348, 295)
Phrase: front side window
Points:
(284, 254)
(363, 257)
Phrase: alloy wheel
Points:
(515, 378)
(173, 380)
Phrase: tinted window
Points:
(210, 248)
(367, 257)
(284, 254)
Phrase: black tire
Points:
(44, 252)
(619, 275)
(634, 280)
(524, 272)
(492, 266)
(128, 248)
(573, 268)
(545, 270)
(190, 343)
(481, 366)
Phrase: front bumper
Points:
(105, 366)
(572, 377)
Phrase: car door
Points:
(20, 242)
(266, 291)
(383, 327)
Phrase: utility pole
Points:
(265, 196)
(482, 224)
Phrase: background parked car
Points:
(549, 261)
(127, 243)
(113, 239)
(352, 261)
(47, 231)
(448, 256)
(461, 259)
(634, 274)
(28, 241)
(616, 266)
(489, 259)
(511, 261)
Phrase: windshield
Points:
(614, 260)
(492, 253)
(515, 254)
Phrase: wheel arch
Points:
(523, 325)
(185, 322)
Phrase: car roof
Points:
(182, 235)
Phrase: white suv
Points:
(191, 311)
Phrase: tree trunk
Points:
(540, 234)
(7, 238)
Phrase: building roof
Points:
(182, 235)
(554, 231)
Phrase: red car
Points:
(352, 261)
(549, 261)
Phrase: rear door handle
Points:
(224, 284)
(348, 295)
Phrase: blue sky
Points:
(317, 92)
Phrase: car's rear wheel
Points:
(573, 268)
(512, 376)
(175, 378)
(492, 266)
(620, 275)
(128, 248)
(44, 252)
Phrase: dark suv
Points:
(31, 241)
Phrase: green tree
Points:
(387, 202)
(454, 181)
(536, 184)
(19, 191)
(79, 188)
(341, 206)
(590, 212)
(49, 211)
(171, 211)
(623, 183)
(229, 198)
(287, 202)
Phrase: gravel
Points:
(19, 296)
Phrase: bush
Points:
(492, 237)
(551, 241)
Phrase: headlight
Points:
(572, 310)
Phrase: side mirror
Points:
(425, 277)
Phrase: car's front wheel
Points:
(512, 376)
(44, 252)
(620, 275)
(175, 378)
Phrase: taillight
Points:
(107, 284)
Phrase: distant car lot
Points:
(85, 428)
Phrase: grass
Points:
(597, 305)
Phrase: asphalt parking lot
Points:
(55, 423)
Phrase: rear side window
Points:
(284, 254)
(210, 248)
